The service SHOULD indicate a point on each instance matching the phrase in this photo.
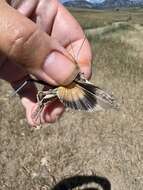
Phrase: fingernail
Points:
(60, 68)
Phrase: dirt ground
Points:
(86, 151)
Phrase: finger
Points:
(42, 12)
(81, 52)
(33, 49)
(16, 76)
(53, 111)
(45, 14)
(27, 95)
(50, 114)
(25, 7)
(73, 37)
(45, 17)
(69, 37)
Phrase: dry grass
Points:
(98, 18)
(82, 151)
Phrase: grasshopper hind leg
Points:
(37, 113)
(43, 98)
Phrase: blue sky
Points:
(98, 1)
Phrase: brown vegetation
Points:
(102, 150)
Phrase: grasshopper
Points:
(80, 95)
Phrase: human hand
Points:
(35, 39)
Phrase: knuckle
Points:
(21, 45)
(20, 39)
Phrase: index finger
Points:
(81, 52)
(66, 30)
(69, 33)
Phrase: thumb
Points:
(23, 42)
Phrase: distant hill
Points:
(104, 5)
(79, 4)
(121, 3)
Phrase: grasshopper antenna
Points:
(76, 57)
(80, 48)
(19, 88)
(72, 50)
(25, 83)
